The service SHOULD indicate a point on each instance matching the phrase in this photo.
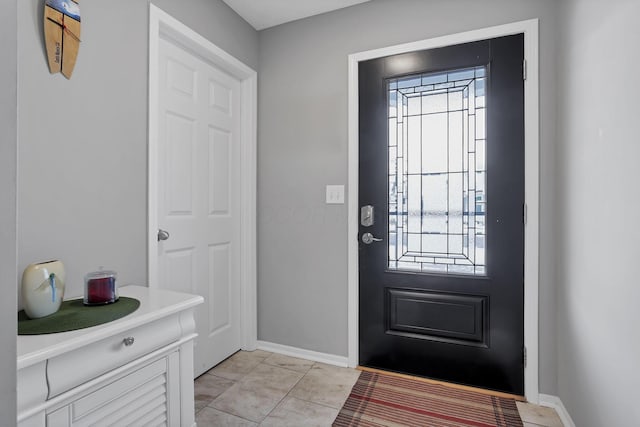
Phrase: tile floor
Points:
(269, 389)
(534, 415)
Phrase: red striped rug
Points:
(385, 400)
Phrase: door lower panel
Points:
(437, 316)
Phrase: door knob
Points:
(162, 235)
(368, 238)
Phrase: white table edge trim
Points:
(106, 330)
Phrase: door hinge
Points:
(524, 213)
(524, 69)
(524, 356)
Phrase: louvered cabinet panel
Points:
(140, 398)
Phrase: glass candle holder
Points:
(100, 288)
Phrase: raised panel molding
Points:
(220, 97)
(181, 78)
(437, 316)
(180, 266)
(219, 179)
(179, 164)
(219, 286)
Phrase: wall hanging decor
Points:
(62, 35)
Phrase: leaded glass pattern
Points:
(437, 172)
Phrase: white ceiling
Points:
(263, 14)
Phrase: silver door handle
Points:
(162, 235)
(368, 238)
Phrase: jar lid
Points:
(101, 274)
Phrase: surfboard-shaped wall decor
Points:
(62, 35)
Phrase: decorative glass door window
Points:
(437, 172)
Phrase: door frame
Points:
(163, 25)
(532, 143)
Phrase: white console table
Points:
(137, 370)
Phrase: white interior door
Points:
(199, 195)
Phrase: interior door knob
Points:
(368, 238)
(162, 235)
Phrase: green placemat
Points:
(73, 314)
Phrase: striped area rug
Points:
(384, 400)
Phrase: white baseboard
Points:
(554, 402)
(329, 359)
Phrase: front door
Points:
(199, 195)
(441, 185)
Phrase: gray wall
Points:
(8, 144)
(82, 165)
(598, 205)
(217, 22)
(302, 250)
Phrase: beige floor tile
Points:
(326, 385)
(292, 412)
(538, 415)
(207, 387)
(249, 403)
(293, 363)
(210, 417)
(259, 353)
(240, 364)
(270, 377)
(255, 396)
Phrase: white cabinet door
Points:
(147, 396)
(199, 195)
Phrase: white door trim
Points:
(531, 94)
(162, 25)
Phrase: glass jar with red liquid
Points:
(100, 288)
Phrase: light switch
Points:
(335, 194)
